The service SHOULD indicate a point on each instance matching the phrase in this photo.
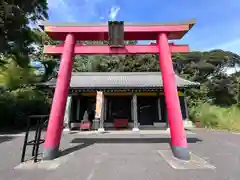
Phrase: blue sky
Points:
(218, 21)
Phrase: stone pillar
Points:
(67, 115)
(159, 108)
(55, 124)
(105, 108)
(78, 110)
(186, 108)
(178, 138)
(187, 122)
(167, 122)
(135, 113)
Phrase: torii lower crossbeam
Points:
(128, 49)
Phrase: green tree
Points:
(49, 63)
(16, 35)
(13, 76)
(208, 69)
(204, 67)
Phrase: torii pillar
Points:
(179, 141)
(55, 124)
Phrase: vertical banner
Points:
(99, 104)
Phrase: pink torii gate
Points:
(70, 33)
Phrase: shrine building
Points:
(124, 94)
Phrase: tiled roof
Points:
(98, 80)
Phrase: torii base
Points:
(51, 153)
(181, 153)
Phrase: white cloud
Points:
(114, 12)
(232, 70)
(68, 10)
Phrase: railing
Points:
(41, 121)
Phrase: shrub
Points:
(17, 105)
(7, 108)
(212, 116)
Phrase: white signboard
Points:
(99, 104)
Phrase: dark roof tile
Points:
(120, 80)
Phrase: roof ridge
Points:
(120, 79)
(114, 73)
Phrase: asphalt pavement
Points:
(124, 157)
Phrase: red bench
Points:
(85, 124)
(120, 123)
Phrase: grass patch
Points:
(215, 117)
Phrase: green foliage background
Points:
(215, 104)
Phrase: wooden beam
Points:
(129, 49)
(132, 31)
(127, 29)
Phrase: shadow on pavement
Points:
(130, 140)
(11, 131)
(75, 148)
(6, 138)
(85, 142)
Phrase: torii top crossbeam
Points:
(91, 32)
(99, 31)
